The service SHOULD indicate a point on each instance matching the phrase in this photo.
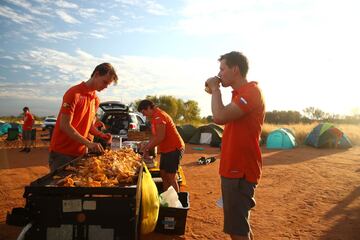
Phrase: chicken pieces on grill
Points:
(107, 170)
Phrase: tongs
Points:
(93, 154)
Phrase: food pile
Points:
(107, 170)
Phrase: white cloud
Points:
(155, 8)
(89, 12)
(7, 57)
(149, 6)
(66, 17)
(139, 30)
(14, 16)
(97, 35)
(84, 55)
(138, 76)
(59, 35)
(26, 67)
(42, 10)
(65, 4)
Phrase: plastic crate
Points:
(173, 220)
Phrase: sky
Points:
(302, 53)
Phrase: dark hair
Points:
(144, 104)
(236, 59)
(104, 69)
(25, 109)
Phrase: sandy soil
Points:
(304, 193)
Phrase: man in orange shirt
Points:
(167, 138)
(76, 118)
(26, 129)
(241, 162)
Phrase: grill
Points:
(79, 213)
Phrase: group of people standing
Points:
(243, 117)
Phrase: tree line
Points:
(188, 111)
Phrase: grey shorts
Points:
(170, 161)
(238, 199)
(26, 134)
(57, 160)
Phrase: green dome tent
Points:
(281, 138)
(326, 135)
(208, 134)
(186, 131)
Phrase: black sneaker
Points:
(211, 159)
(23, 150)
(201, 160)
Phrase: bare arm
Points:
(223, 114)
(106, 136)
(155, 140)
(65, 126)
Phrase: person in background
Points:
(170, 144)
(26, 129)
(241, 161)
(77, 117)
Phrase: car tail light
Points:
(132, 126)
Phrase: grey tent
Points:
(186, 131)
(208, 134)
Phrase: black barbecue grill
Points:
(79, 213)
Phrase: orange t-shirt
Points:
(28, 121)
(172, 140)
(240, 151)
(82, 103)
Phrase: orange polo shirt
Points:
(82, 103)
(240, 151)
(28, 121)
(172, 140)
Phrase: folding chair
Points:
(13, 134)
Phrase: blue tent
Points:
(281, 138)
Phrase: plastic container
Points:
(173, 220)
(116, 142)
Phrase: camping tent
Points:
(207, 134)
(326, 135)
(186, 131)
(4, 128)
(281, 138)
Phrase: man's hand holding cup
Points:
(212, 84)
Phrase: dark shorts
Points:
(238, 199)
(26, 134)
(169, 162)
(57, 160)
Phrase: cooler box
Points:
(173, 220)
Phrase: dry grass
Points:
(301, 130)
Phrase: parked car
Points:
(49, 123)
(119, 118)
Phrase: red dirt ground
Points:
(304, 193)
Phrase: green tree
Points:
(314, 113)
(191, 111)
(177, 109)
